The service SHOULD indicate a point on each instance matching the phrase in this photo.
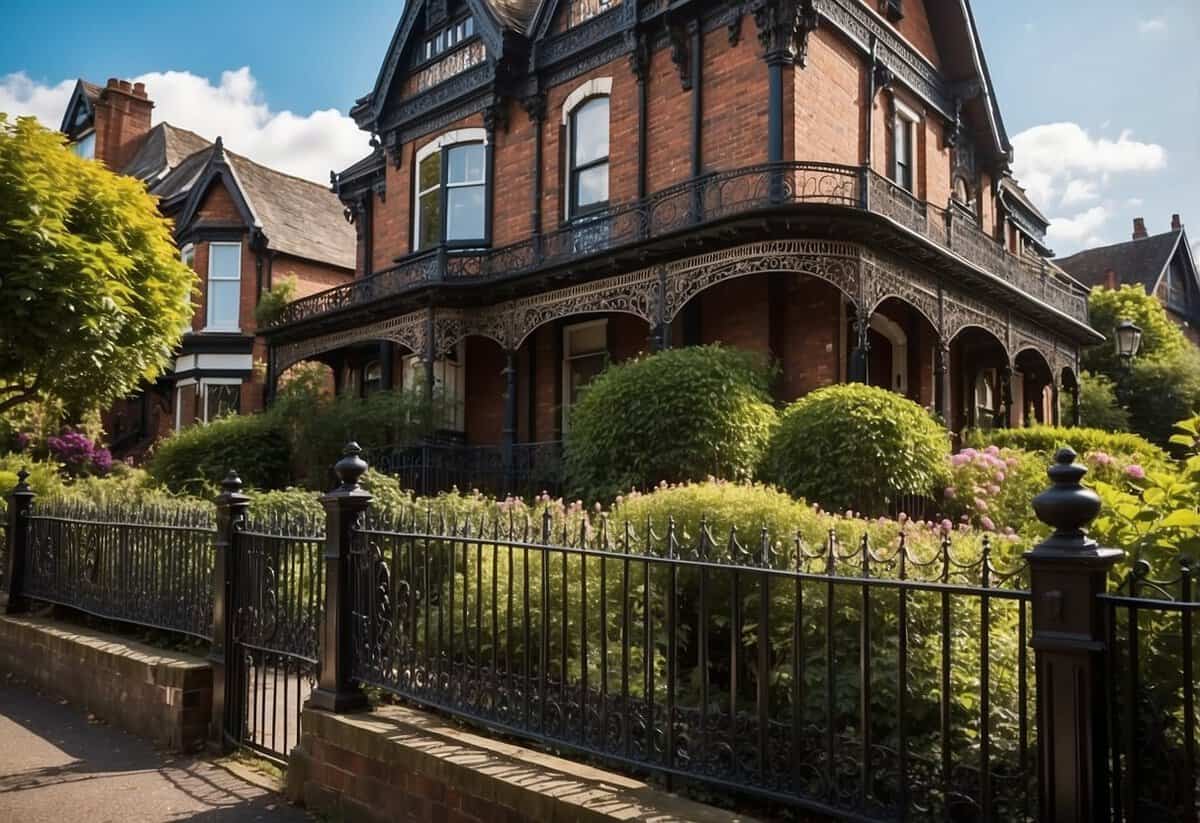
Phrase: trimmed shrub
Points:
(197, 458)
(681, 414)
(1098, 404)
(1160, 391)
(1046, 440)
(858, 447)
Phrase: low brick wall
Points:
(161, 695)
(397, 764)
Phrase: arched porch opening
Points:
(903, 345)
(1035, 400)
(981, 384)
(794, 320)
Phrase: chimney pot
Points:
(126, 86)
(1176, 224)
(139, 89)
(1139, 228)
(113, 83)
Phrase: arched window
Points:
(372, 377)
(451, 191)
(585, 115)
(962, 193)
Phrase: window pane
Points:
(587, 340)
(223, 304)
(591, 185)
(465, 164)
(431, 172)
(431, 219)
(582, 371)
(221, 400)
(464, 213)
(591, 131)
(470, 25)
(224, 261)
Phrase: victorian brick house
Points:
(563, 183)
(240, 225)
(1162, 264)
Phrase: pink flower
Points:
(950, 492)
(1000, 477)
(959, 460)
(987, 524)
(1135, 471)
(981, 504)
(993, 489)
(947, 525)
(992, 450)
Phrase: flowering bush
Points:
(993, 488)
(79, 455)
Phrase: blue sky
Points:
(1102, 97)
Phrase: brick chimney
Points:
(1176, 224)
(1139, 228)
(122, 122)
(1110, 279)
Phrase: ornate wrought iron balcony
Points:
(694, 203)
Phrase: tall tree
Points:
(93, 295)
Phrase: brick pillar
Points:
(20, 504)
(344, 507)
(1068, 572)
(232, 506)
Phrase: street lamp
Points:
(1129, 340)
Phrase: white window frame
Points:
(187, 255)
(908, 120)
(568, 357)
(209, 325)
(443, 369)
(596, 87)
(450, 138)
(87, 139)
(205, 382)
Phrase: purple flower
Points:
(23, 440)
(1135, 471)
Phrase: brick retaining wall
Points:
(150, 692)
(398, 764)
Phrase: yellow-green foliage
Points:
(93, 295)
(856, 446)
(273, 300)
(681, 414)
(1046, 440)
(1108, 307)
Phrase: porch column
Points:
(859, 372)
(660, 332)
(1075, 410)
(385, 365)
(942, 382)
(510, 419)
(1006, 398)
(1055, 400)
(429, 350)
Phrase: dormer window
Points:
(85, 146)
(449, 37)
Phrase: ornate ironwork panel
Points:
(409, 330)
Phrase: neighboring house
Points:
(564, 183)
(1161, 264)
(240, 225)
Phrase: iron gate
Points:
(277, 601)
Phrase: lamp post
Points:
(1129, 340)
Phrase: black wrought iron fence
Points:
(872, 680)
(432, 468)
(1152, 682)
(145, 565)
(278, 599)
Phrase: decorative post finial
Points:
(351, 467)
(232, 484)
(22, 477)
(1067, 506)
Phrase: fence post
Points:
(20, 502)
(232, 506)
(344, 507)
(1068, 572)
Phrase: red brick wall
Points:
(734, 105)
(830, 94)
(668, 130)
(311, 277)
(485, 391)
(914, 28)
(122, 120)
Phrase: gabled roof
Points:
(1133, 262)
(84, 98)
(296, 216)
(164, 149)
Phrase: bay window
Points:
(224, 286)
(451, 194)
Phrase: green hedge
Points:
(681, 414)
(1046, 440)
(858, 447)
(198, 457)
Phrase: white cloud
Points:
(1152, 27)
(307, 145)
(1071, 233)
(20, 96)
(1135, 202)
(1080, 191)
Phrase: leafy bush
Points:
(855, 446)
(681, 414)
(1098, 404)
(1160, 391)
(44, 475)
(271, 303)
(195, 459)
(1046, 440)
(1108, 307)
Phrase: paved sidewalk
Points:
(57, 767)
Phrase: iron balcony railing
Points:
(706, 199)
